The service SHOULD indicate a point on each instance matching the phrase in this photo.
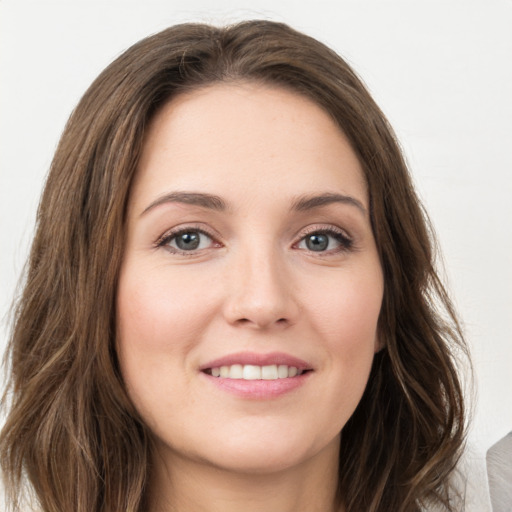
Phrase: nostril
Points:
(261, 322)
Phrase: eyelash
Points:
(345, 241)
(167, 237)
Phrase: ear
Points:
(378, 344)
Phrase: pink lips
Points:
(257, 389)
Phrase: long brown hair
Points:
(71, 431)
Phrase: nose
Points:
(260, 293)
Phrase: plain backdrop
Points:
(440, 70)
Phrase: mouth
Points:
(258, 376)
(255, 372)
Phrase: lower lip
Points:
(258, 389)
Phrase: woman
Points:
(231, 302)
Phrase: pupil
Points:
(317, 242)
(188, 241)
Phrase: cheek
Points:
(157, 327)
(157, 311)
(346, 311)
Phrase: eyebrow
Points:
(304, 203)
(214, 202)
(210, 201)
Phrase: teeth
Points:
(282, 371)
(236, 371)
(253, 372)
(269, 372)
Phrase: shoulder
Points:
(468, 487)
(470, 483)
(499, 469)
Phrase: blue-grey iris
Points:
(188, 241)
(317, 242)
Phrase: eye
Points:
(186, 240)
(326, 240)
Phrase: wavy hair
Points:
(72, 433)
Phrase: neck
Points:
(179, 485)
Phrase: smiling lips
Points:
(259, 376)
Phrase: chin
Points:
(257, 462)
(259, 454)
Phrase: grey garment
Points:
(469, 485)
(499, 472)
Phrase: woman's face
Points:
(251, 285)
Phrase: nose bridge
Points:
(261, 289)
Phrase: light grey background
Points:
(440, 70)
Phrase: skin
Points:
(254, 284)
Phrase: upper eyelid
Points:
(173, 232)
(326, 228)
(344, 237)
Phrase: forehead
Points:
(246, 138)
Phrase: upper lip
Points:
(256, 359)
